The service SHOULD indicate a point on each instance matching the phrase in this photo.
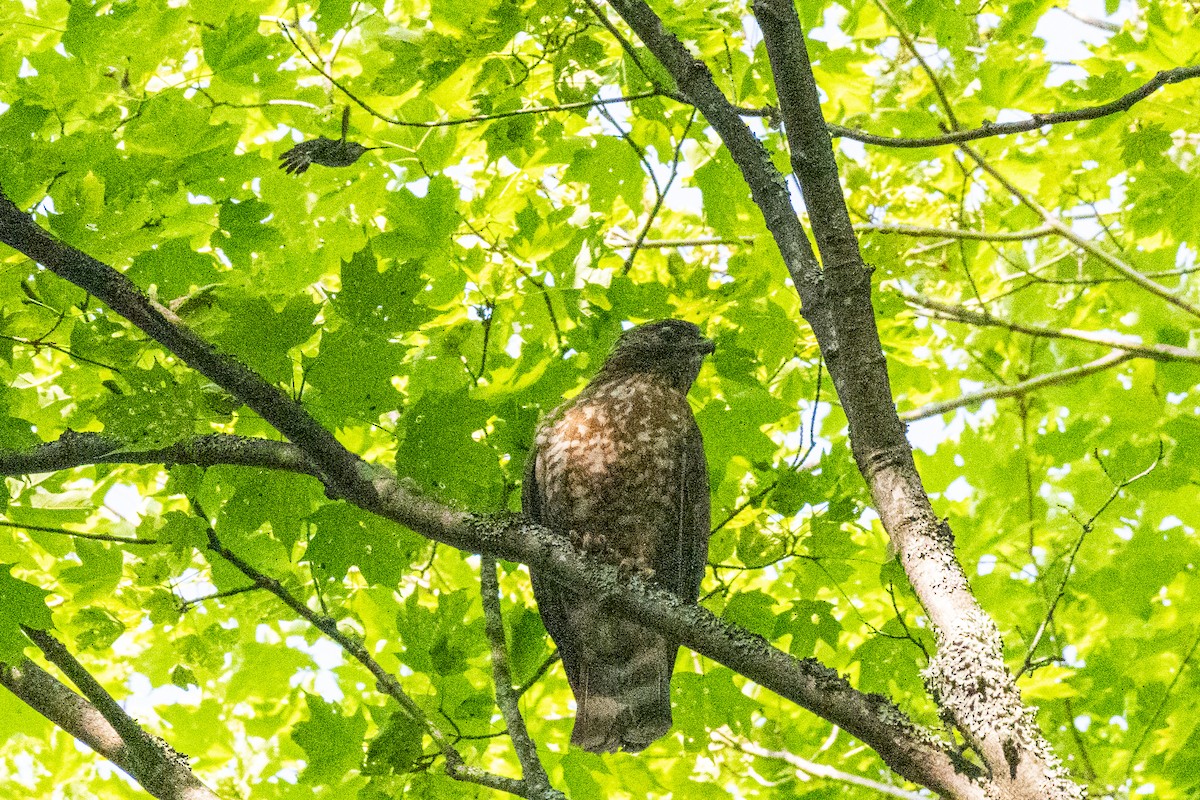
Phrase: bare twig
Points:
(911, 46)
(1183, 665)
(95, 537)
(187, 605)
(1102, 24)
(660, 195)
(385, 681)
(1087, 527)
(805, 768)
(1070, 235)
(550, 661)
(477, 118)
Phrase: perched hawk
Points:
(621, 469)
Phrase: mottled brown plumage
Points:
(620, 468)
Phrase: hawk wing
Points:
(551, 599)
(679, 566)
(620, 671)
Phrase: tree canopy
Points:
(264, 429)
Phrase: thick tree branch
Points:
(1123, 103)
(341, 469)
(101, 724)
(532, 771)
(911, 751)
(1020, 389)
(968, 674)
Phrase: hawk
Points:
(620, 469)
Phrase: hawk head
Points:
(670, 346)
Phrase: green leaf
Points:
(332, 742)
(95, 629)
(396, 747)
(235, 43)
(23, 604)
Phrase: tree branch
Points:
(1070, 235)
(532, 771)
(907, 748)
(1130, 344)
(1069, 568)
(95, 537)
(449, 123)
(1020, 389)
(1123, 103)
(101, 723)
(72, 449)
(385, 681)
(968, 674)
(901, 229)
(806, 767)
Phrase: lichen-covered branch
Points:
(967, 675)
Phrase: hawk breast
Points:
(611, 465)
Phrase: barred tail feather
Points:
(623, 698)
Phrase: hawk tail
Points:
(627, 705)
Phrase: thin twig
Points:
(95, 537)
(1024, 387)
(1157, 352)
(1087, 528)
(1069, 234)
(385, 681)
(550, 661)
(1123, 103)
(806, 768)
(187, 605)
(460, 120)
(1159, 708)
(660, 195)
(943, 100)
(532, 771)
(918, 231)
